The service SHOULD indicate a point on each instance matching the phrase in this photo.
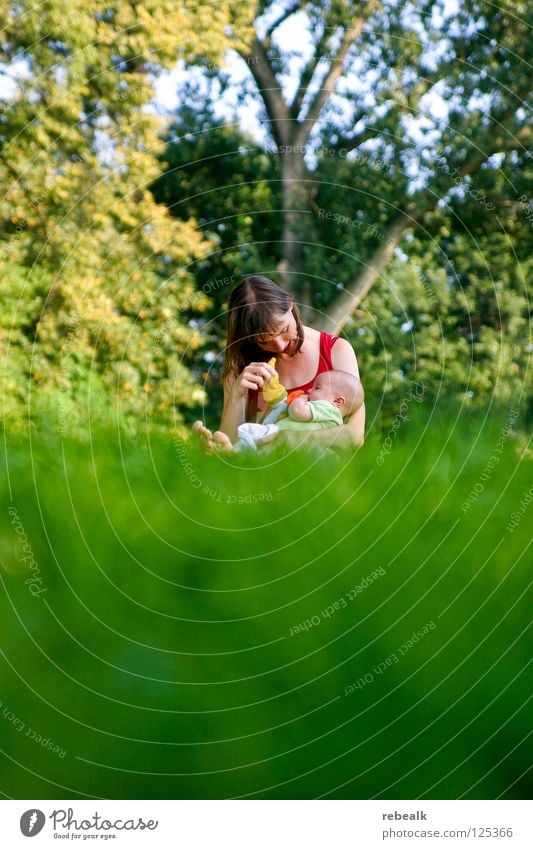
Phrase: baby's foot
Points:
(203, 436)
(222, 442)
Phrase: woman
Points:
(263, 322)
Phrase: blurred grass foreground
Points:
(181, 626)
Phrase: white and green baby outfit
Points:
(325, 414)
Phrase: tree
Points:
(97, 274)
(372, 69)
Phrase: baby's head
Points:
(341, 388)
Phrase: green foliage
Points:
(102, 271)
(355, 200)
(148, 635)
(463, 341)
(216, 174)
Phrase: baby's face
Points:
(322, 389)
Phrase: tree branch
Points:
(350, 144)
(352, 295)
(294, 7)
(270, 90)
(336, 69)
(403, 101)
(499, 143)
(426, 200)
(306, 77)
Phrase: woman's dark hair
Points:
(253, 309)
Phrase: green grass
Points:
(159, 656)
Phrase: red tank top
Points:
(327, 342)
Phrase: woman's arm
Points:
(233, 412)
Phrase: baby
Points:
(333, 396)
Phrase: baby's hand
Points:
(293, 394)
(299, 409)
(303, 398)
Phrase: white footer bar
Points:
(267, 824)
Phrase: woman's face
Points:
(283, 337)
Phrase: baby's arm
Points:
(300, 409)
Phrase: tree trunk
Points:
(297, 229)
(347, 301)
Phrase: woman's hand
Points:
(235, 410)
(253, 376)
